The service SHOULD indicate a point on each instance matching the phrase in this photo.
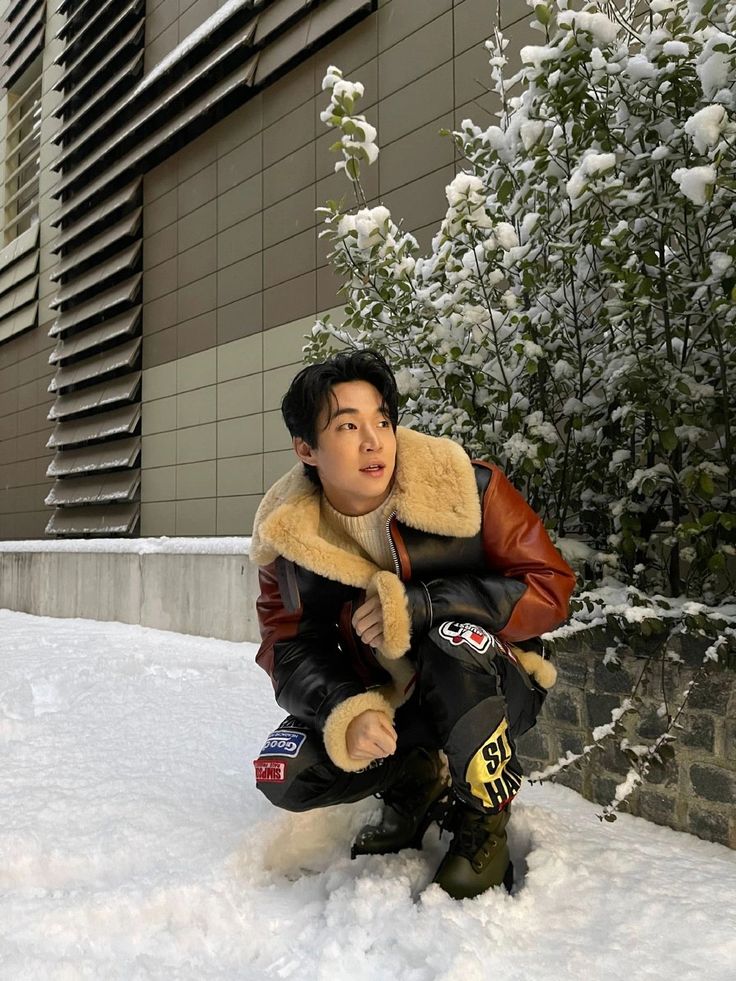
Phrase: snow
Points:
(694, 181)
(465, 187)
(358, 135)
(133, 845)
(538, 54)
(190, 41)
(639, 66)
(676, 49)
(591, 165)
(142, 546)
(601, 28)
(370, 225)
(705, 127)
(506, 235)
(721, 263)
(714, 67)
(531, 131)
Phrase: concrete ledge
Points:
(212, 594)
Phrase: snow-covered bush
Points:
(575, 318)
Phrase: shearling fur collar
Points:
(435, 491)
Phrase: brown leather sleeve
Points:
(517, 545)
(275, 622)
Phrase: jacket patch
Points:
(270, 771)
(283, 742)
(474, 637)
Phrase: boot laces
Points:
(472, 838)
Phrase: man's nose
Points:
(372, 438)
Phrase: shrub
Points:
(575, 318)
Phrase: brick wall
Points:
(696, 790)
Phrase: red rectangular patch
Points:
(270, 771)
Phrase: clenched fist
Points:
(370, 736)
(368, 622)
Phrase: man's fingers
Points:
(369, 608)
(371, 736)
(385, 739)
(389, 730)
(362, 623)
(373, 637)
(389, 744)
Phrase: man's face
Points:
(356, 455)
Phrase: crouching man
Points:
(403, 589)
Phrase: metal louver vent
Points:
(98, 280)
(107, 519)
(19, 284)
(24, 37)
(116, 422)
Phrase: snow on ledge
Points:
(140, 546)
(181, 50)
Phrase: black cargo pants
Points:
(472, 699)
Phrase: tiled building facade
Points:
(152, 318)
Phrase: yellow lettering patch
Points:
(488, 775)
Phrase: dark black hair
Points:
(311, 392)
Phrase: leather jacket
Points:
(467, 548)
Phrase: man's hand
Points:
(370, 736)
(368, 622)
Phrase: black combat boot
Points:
(411, 802)
(478, 857)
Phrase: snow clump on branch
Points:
(358, 140)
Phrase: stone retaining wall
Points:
(693, 791)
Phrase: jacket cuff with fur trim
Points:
(397, 619)
(336, 726)
(543, 671)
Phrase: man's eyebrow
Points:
(355, 412)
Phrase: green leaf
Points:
(541, 12)
(505, 190)
(669, 440)
(706, 485)
(717, 562)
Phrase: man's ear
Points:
(304, 451)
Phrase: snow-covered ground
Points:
(133, 845)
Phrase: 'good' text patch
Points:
(283, 742)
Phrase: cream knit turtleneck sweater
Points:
(367, 530)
